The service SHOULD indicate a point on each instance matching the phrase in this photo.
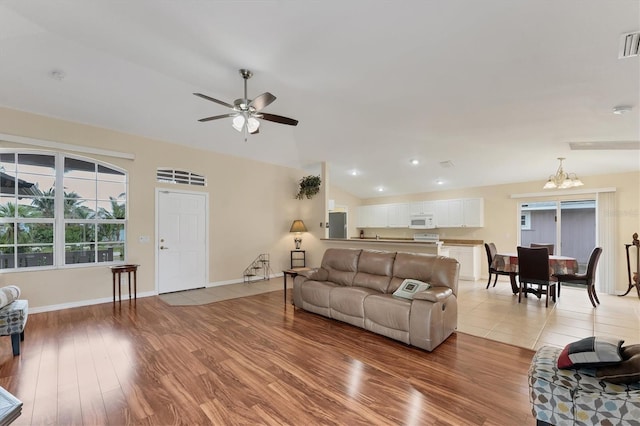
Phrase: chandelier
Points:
(562, 180)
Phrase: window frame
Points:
(59, 220)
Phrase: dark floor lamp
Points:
(298, 226)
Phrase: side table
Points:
(118, 271)
(293, 273)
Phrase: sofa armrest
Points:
(316, 274)
(434, 294)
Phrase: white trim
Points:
(563, 193)
(65, 146)
(89, 302)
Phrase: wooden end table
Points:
(293, 273)
(118, 271)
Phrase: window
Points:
(58, 210)
(180, 176)
(525, 221)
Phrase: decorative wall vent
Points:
(181, 177)
(629, 45)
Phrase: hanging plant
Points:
(309, 186)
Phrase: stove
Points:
(426, 237)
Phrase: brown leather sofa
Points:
(356, 286)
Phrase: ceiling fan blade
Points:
(278, 119)
(209, 98)
(217, 117)
(262, 101)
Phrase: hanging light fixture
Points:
(562, 180)
(241, 120)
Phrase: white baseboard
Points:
(125, 299)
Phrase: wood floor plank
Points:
(252, 360)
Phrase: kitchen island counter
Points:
(388, 244)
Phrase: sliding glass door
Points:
(569, 225)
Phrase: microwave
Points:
(422, 221)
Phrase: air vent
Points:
(612, 145)
(446, 164)
(629, 45)
(181, 177)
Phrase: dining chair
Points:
(549, 247)
(533, 268)
(491, 254)
(587, 279)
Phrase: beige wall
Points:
(501, 218)
(251, 206)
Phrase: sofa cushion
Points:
(591, 352)
(628, 371)
(411, 265)
(341, 265)
(347, 304)
(317, 293)
(374, 270)
(388, 311)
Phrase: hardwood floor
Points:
(252, 360)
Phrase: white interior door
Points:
(181, 240)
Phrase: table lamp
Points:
(298, 226)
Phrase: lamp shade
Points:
(298, 226)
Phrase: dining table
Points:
(508, 262)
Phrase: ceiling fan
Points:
(246, 112)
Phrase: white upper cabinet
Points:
(458, 213)
(398, 215)
(422, 207)
(473, 211)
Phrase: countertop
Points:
(407, 241)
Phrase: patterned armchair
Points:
(576, 397)
(13, 316)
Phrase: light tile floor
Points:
(494, 313)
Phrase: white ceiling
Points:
(498, 87)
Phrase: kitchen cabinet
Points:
(473, 212)
(398, 215)
(469, 258)
(373, 216)
(459, 213)
(363, 216)
(383, 216)
(422, 207)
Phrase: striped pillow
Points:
(591, 352)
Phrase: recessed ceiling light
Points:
(354, 173)
(622, 109)
(380, 189)
(415, 162)
(439, 182)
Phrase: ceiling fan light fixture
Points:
(238, 123)
(562, 180)
(252, 124)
